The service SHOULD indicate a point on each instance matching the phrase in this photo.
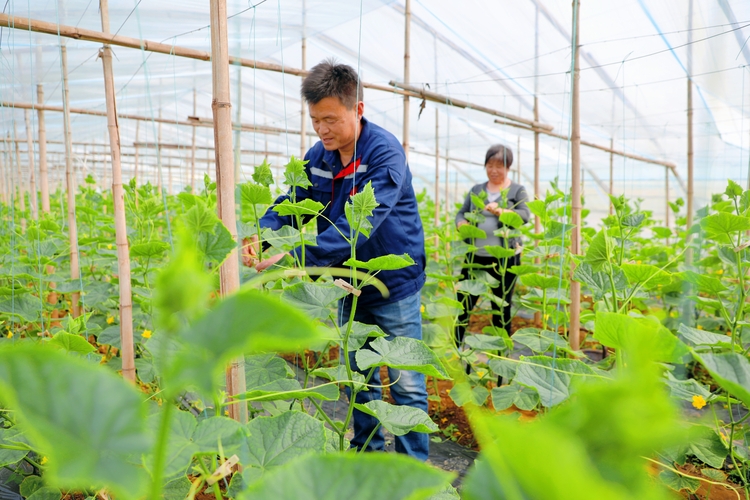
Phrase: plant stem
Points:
(369, 438)
(160, 451)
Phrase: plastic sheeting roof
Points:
(635, 55)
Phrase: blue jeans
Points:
(397, 319)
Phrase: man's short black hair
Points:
(330, 79)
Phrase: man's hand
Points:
(250, 251)
(265, 264)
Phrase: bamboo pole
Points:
(17, 22)
(437, 181)
(135, 144)
(159, 186)
(537, 194)
(192, 146)
(447, 178)
(612, 174)
(222, 109)
(127, 352)
(407, 76)
(21, 181)
(666, 201)
(42, 131)
(518, 161)
(237, 136)
(75, 272)
(303, 107)
(2, 175)
(33, 202)
(575, 160)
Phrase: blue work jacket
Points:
(396, 226)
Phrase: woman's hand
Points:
(494, 209)
(462, 223)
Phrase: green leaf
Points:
(639, 337)
(89, 421)
(730, 370)
(646, 273)
(398, 420)
(714, 475)
(542, 281)
(443, 307)
(538, 208)
(706, 284)
(598, 282)
(707, 446)
(368, 476)
(214, 430)
(8, 456)
(550, 377)
(338, 374)
(402, 353)
(149, 250)
(295, 174)
(662, 232)
(500, 252)
(511, 219)
(264, 368)
(679, 482)
(286, 238)
(733, 189)
(262, 174)
(30, 485)
(388, 262)
(599, 251)
(361, 207)
(700, 337)
(523, 269)
(472, 287)
(503, 367)
(255, 194)
(556, 230)
(177, 489)
(71, 343)
(360, 333)
(633, 220)
(463, 393)
(46, 493)
(686, 389)
(539, 340)
(520, 396)
(467, 231)
(286, 389)
(26, 306)
(274, 441)
(723, 225)
(488, 342)
(301, 208)
(180, 445)
(217, 244)
(200, 219)
(315, 299)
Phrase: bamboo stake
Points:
(612, 174)
(32, 166)
(237, 136)
(518, 161)
(537, 194)
(192, 148)
(75, 272)
(575, 160)
(447, 179)
(21, 181)
(437, 167)
(222, 109)
(42, 130)
(407, 56)
(666, 201)
(135, 144)
(690, 188)
(159, 186)
(2, 175)
(127, 352)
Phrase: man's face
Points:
(335, 124)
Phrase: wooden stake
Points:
(21, 181)
(666, 201)
(75, 272)
(222, 109)
(690, 186)
(2, 175)
(42, 130)
(127, 352)
(237, 131)
(159, 186)
(33, 202)
(407, 56)
(574, 336)
(518, 161)
(537, 194)
(437, 168)
(192, 148)
(447, 179)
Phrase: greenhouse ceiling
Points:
(636, 56)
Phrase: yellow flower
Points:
(146, 334)
(226, 412)
(698, 401)
(720, 271)
(43, 461)
(10, 334)
(421, 308)
(637, 261)
(729, 333)
(700, 327)
(109, 246)
(110, 320)
(104, 360)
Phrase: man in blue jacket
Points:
(352, 152)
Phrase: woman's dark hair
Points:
(499, 152)
(330, 79)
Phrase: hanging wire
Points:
(280, 41)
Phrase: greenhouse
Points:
(375, 249)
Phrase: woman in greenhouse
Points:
(500, 195)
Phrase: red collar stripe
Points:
(349, 169)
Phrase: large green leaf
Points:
(402, 353)
(442, 307)
(542, 281)
(200, 219)
(261, 369)
(488, 342)
(255, 194)
(539, 340)
(398, 420)
(71, 343)
(687, 389)
(368, 476)
(511, 219)
(500, 252)
(315, 299)
(599, 251)
(706, 284)
(262, 174)
(149, 250)
(639, 337)
(708, 446)
(286, 389)
(723, 225)
(217, 243)
(467, 231)
(8, 437)
(301, 208)
(550, 377)
(388, 262)
(85, 419)
(646, 274)
(180, 446)
(338, 374)
(694, 336)
(26, 306)
(360, 333)
(730, 370)
(679, 482)
(520, 396)
(274, 441)
(295, 174)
